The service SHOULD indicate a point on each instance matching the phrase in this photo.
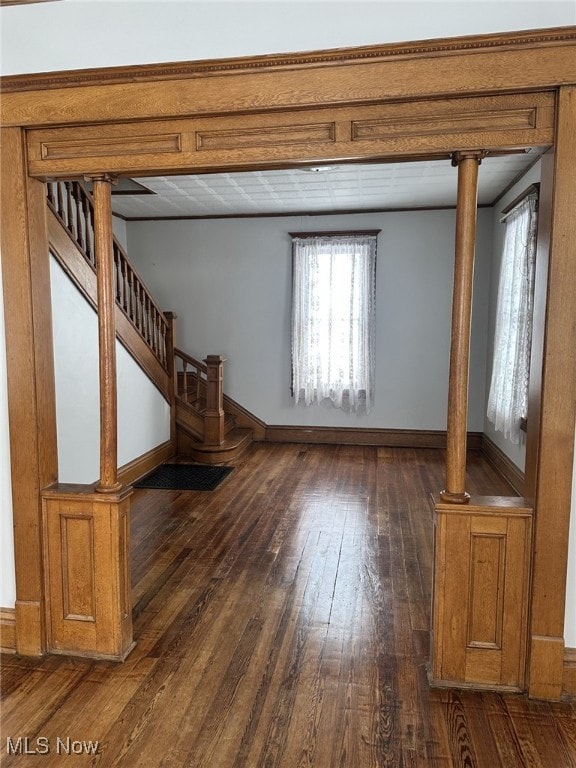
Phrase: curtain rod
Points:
(533, 189)
(341, 233)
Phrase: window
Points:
(333, 318)
(508, 398)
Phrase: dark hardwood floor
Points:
(282, 621)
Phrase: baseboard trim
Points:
(392, 438)
(569, 676)
(503, 464)
(8, 630)
(140, 466)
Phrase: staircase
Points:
(206, 432)
(206, 425)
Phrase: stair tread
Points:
(233, 446)
(232, 440)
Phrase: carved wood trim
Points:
(135, 145)
(239, 65)
(78, 567)
(480, 603)
(375, 131)
(87, 571)
(263, 137)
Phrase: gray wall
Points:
(229, 281)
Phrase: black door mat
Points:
(185, 477)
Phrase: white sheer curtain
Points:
(508, 398)
(333, 320)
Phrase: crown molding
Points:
(26, 2)
(241, 65)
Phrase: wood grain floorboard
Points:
(282, 621)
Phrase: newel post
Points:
(214, 414)
(108, 482)
(467, 162)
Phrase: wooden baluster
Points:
(50, 192)
(89, 230)
(108, 482)
(60, 208)
(160, 350)
(146, 309)
(124, 284)
(135, 304)
(117, 274)
(147, 317)
(127, 287)
(455, 491)
(156, 333)
(131, 308)
(147, 330)
(162, 330)
(137, 307)
(198, 386)
(154, 328)
(141, 304)
(81, 239)
(214, 414)
(185, 381)
(70, 209)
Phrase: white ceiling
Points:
(340, 188)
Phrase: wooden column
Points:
(31, 395)
(214, 415)
(467, 162)
(108, 482)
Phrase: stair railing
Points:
(74, 207)
(191, 380)
(199, 385)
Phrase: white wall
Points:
(119, 229)
(143, 414)
(136, 32)
(515, 452)
(229, 281)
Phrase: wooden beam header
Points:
(461, 66)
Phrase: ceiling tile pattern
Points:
(337, 188)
